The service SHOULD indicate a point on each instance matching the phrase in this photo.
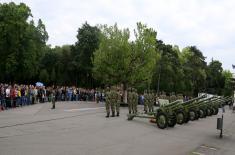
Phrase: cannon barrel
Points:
(194, 99)
(173, 103)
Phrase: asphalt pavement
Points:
(80, 128)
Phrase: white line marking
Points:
(198, 153)
(83, 109)
(207, 147)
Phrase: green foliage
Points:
(43, 76)
(168, 69)
(82, 51)
(103, 55)
(228, 86)
(215, 78)
(119, 61)
(194, 67)
(21, 43)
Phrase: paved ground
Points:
(81, 129)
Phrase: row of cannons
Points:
(178, 112)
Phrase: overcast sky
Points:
(207, 24)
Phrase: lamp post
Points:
(159, 74)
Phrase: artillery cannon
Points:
(168, 115)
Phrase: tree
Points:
(20, 43)
(215, 78)
(228, 85)
(194, 67)
(43, 76)
(168, 70)
(119, 61)
(82, 51)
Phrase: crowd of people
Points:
(15, 95)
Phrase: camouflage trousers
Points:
(117, 107)
(130, 107)
(134, 107)
(107, 106)
(150, 106)
(146, 105)
(112, 104)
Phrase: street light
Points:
(159, 74)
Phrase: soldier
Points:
(145, 101)
(135, 101)
(113, 101)
(53, 98)
(118, 101)
(129, 100)
(152, 100)
(172, 97)
(107, 101)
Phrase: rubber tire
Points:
(201, 113)
(157, 120)
(208, 112)
(181, 122)
(186, 120)
(192, 118)
(171, 121)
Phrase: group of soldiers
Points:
(172, 97)
(132, 100)
(112, 101)
(149, 100)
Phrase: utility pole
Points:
(159, 74)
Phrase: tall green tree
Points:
(120, 61)
(168, 71)
(194, 67)
(228, 85)
(215, 78)
(82, 51)
(20, 43)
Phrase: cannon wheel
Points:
(172, 121)
(208, 111)
(161, 120)
(192, 115)
(201, 113)
(186, 120)
(180, 117)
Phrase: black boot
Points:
(117, 114)
(107, 116)
(113, 114)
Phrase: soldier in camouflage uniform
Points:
(145, 101)
(113, 101)
(118, 101)
(107, 101)
(130, 100)
(53, 98)
(135, 101)
(151, 101)
(173, 97)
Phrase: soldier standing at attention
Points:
(53, 98)
(152, 101)
(145, 101)
(135, 101)
(118, 101)
(112, 100)
(129, 100)
(107, 101)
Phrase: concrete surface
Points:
(81, 129)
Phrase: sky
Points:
(207, 24)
